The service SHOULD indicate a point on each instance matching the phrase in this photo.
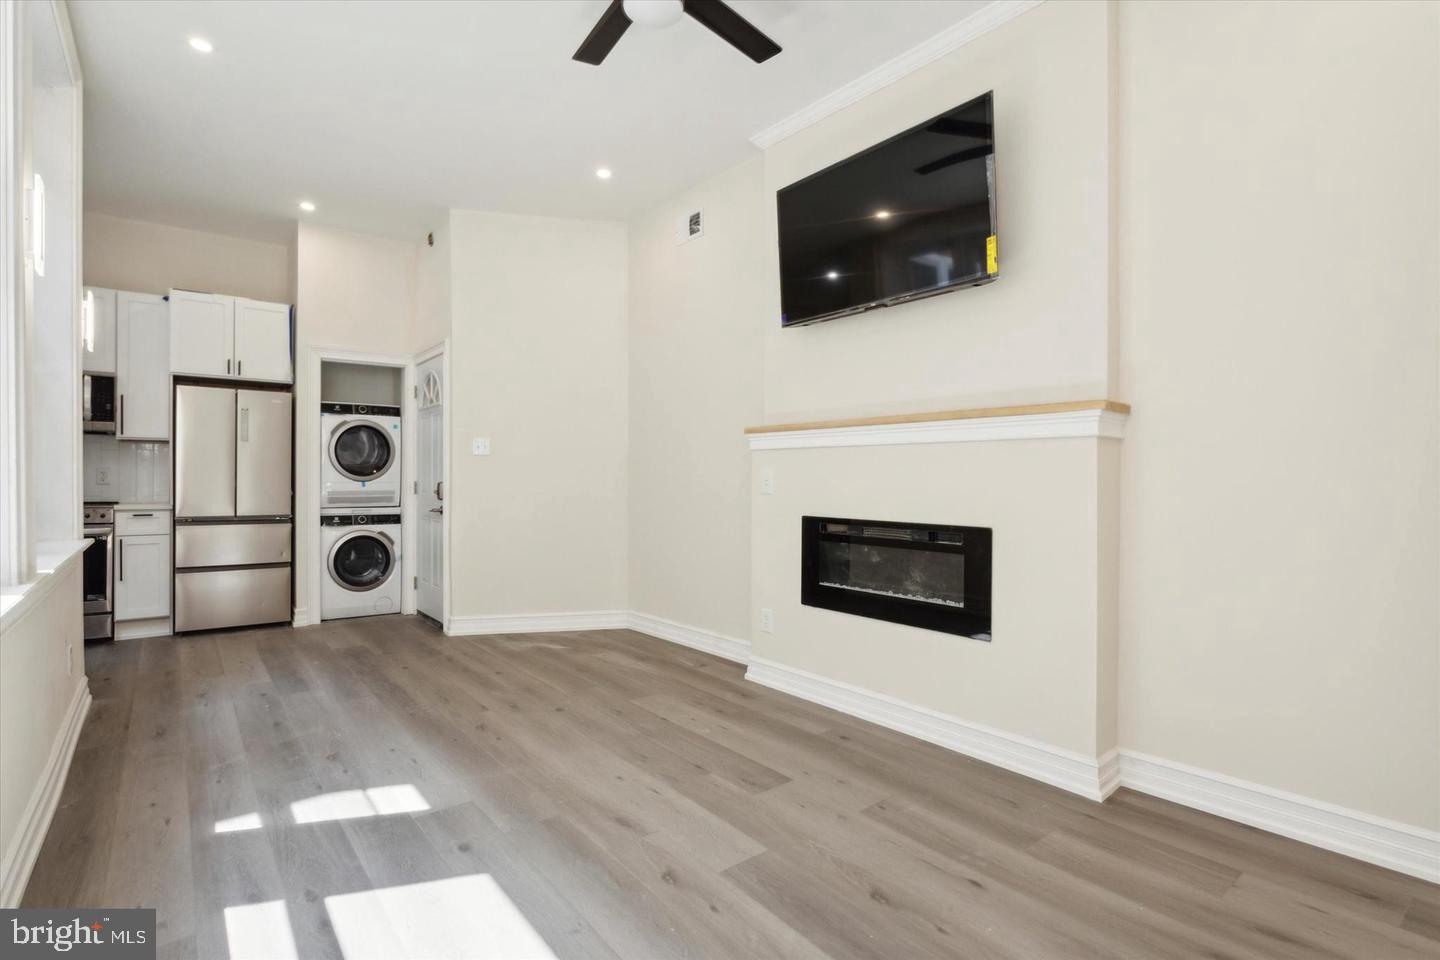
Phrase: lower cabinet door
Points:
(231, 597)
(142, 577)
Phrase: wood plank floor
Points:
(616, 796)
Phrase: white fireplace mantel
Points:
(1079, 418)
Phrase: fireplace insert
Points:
(922, 574)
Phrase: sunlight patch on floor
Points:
(246, 821)
(260, 931)
(462, 918)
(350, 804)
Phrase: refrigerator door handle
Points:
(122, 558)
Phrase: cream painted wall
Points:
(41, 672)
(539, 366)
(152, 258)
(432, 288)
(694, 387)
(1038, 679)
(1281, 355)
(356, 292)
(1281, 305)
(1040, 332)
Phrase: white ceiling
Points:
(387, 113)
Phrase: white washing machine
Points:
(359, 456)
(361, 553)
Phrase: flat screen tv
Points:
(911, 217)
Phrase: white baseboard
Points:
(35, 822)
(707, 641)
(1407, 849)
(1056, 766)
(538, 623)
(302, 618)
(1397, 846)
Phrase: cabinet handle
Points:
(227, 366)
(142, 514)
(122, 559)
(122, 413)
(239, 368)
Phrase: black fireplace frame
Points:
(972, 620)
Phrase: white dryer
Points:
(361, 553)
(359, 456)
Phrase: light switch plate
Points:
(767, 480)
(767, 619)
(480, 446)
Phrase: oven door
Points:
(98, 580)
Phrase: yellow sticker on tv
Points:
(991, 263)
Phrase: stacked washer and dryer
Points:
(360, 532)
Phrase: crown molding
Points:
(978, 24)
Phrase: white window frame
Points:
(16, 551)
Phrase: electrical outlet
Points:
(102, 477)
(480, 446)
(767, 480)
(767, 620)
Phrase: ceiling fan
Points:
(717, 16)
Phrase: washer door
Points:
(362, 560)
(360, 450)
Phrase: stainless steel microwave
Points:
(99, 403)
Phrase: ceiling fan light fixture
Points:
(654, 13)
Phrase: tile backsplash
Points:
(127, 471)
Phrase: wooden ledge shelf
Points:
(973, 413)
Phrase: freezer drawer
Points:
(208, 599)
(231, 544)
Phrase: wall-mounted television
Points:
(911, 217)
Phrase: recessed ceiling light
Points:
(882, 214)
(201, 44)
(307, 206)
(603, 173)
(833, 275)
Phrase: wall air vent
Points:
(690, 227)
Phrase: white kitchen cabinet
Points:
(202, 334)
(98, 334)
(142, 367)
(229, 337)
(142, 577)
(262, 341)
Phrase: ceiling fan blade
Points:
(606, 33)
(733, 29)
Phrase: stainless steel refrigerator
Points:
(233, 507)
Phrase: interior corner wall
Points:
(1281, 344)
(432, 287)
(152, 258)
(539, 367)
(694, 387)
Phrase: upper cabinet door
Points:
(202, 334)
(98, 334)
(142, 373)
(262, 341)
